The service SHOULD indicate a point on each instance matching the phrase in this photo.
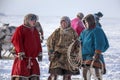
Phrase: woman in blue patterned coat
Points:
(94, 42)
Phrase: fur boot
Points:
(34, 78)
(67, 77)
(19, 78)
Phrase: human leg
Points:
(97, 73)
(34, 78)
(67, 77)
(19, 78)
(52, 77)
(86, 73)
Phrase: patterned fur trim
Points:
(25, 76)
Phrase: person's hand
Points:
(21, 55)
(42, 38)
(51, 56)
(40, 56)
(96, 56)
(57, 55)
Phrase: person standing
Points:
(40, 30)
(97, 17)
(57, 44)
(26, 41)
(77, 23)
(94, 42)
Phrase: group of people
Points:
(27, 45)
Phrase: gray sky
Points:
(110, 8)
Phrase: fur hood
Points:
(66, 19)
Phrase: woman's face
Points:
(64, 25)
(86, 24)
(32, 23)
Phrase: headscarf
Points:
(80, 15)
(67, 20)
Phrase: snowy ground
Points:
(111, 27)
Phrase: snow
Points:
(111, 27)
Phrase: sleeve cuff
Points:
(98, 51)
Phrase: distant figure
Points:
(94, 42)
(77, 23)
(26, 41)
(40, 30)
(97, 17)
(80, 15)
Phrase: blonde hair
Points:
(29, 17)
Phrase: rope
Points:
(102, 68)
(74, 59)
(29, 61)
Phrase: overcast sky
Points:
(110, 8)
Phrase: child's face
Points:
(86, 24)
(32, 23)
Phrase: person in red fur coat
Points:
(26, 41)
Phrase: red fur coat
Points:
(26, 39)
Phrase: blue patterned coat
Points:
(91, 40)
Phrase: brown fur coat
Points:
(59, 42)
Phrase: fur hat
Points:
(66, 19)
(29, 17)
(80, 15)
(99, 14)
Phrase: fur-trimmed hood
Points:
(66, 19)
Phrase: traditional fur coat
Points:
(59, 42)
(26, 40)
